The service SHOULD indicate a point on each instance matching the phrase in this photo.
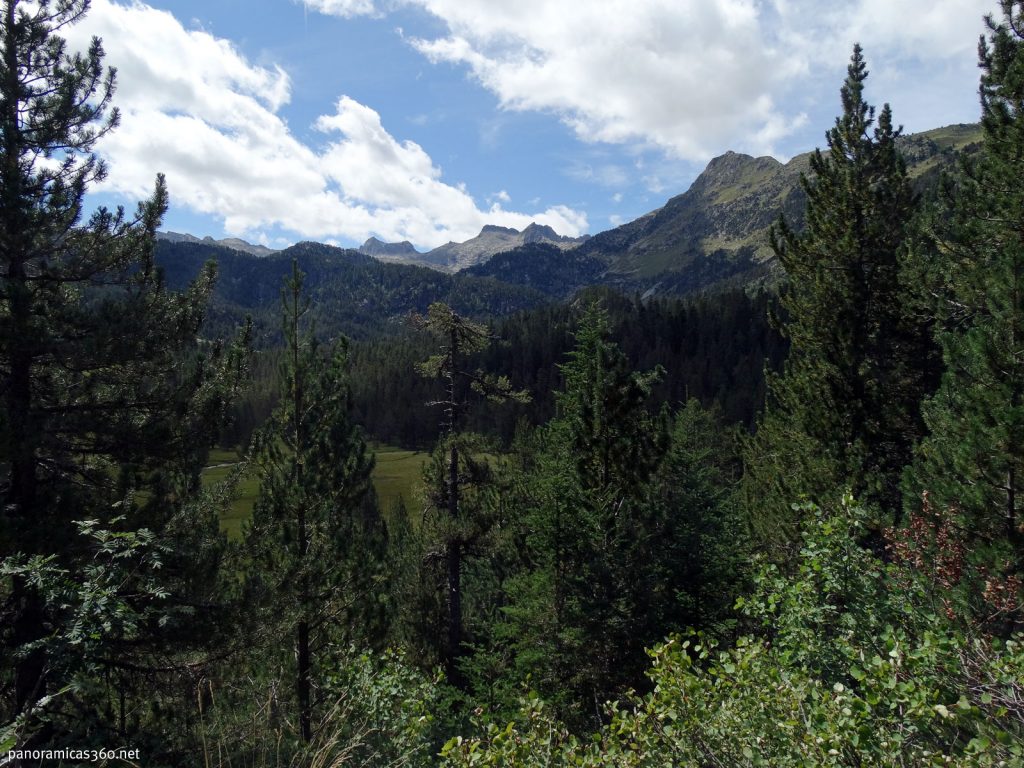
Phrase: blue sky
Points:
(334, 120)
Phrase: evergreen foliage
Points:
(556, 553)
(845, 410)
(107, 407)
(458, 526)
(612, 553)
(850, 667)
(974, 455)
(698, 558)
(714, 349)
(316, 541)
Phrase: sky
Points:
(423, 120)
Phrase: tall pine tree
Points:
(845, 410)
(973, 459)
(107, 405)
(457, 525)
(583, 605)
(315, 540)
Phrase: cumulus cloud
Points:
(692, 77)
(937, 29)
(679, 74)
(194, 108)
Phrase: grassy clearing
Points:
(395, 477)
(396, 474)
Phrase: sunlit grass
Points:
(395, 476)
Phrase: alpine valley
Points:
(737, 483)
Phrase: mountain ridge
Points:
(714, 234)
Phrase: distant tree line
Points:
(714, 349)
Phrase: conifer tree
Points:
(315, 540)
(457, 526)
(845, 410)
(107, 405)
(973, 459)
(581, 609)
(698, 550)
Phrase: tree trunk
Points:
(302, 682)
(453, 558)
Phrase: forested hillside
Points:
(351, 292)
(771, 524)
(714, 350)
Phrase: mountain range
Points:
(234, 243)
(713, 235)
(453, 257)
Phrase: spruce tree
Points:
(973, 459)
(698, 552)
(316, 540)
(107, 404)
(845, 410)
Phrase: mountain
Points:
(233, 243)
(349, 292)
(544, 267)
(723, 218)
(491, 240)
(716, 232)
(400, 253)
(712, 236)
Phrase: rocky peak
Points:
(233, 243)
(536, 233)
(375, 247)
(494, 229)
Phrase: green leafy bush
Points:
(850, 668)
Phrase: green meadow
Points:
(395, 476)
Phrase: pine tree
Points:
(973, 459)
(845, 410)
(457, 527)
(580, 609)
(316, 539)
(698, 552)
(107, 406)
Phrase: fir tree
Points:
(973, 459)
(845, 410)
(316, 539)
(698, 551)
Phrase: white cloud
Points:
(695, 77)
(345, 8)
(917, 29)
(194, 108)
(679, 74)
